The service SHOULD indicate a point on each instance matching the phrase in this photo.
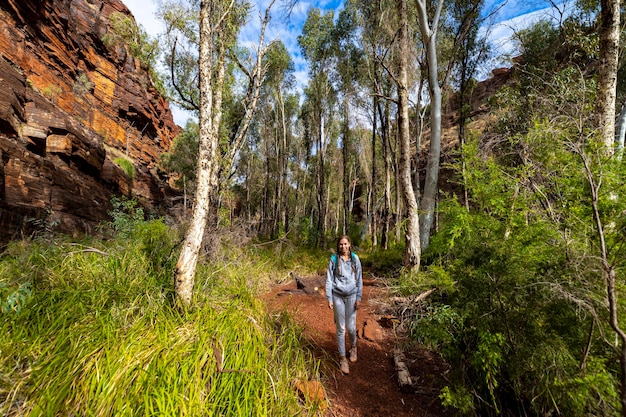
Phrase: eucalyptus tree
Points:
(607, 70)
(387, 42)
(182, 159)
(607, 87)
(428, 30)
(206, 35)
(280, 79)
(272, 136)
(470, 49)
(413, 249)
(317, 48)
(377, 40)
(349, 64)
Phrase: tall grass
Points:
(95, 335)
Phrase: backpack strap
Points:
(335, 260)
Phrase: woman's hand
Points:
(356, 305)
(330, 305)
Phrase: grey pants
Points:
(345, 314)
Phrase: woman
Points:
(344, 288)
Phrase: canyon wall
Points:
(69, 107)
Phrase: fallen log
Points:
(404, 376)
(411, 299)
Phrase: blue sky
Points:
(287, 31)
(512, 16)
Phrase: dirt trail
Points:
(371, 388)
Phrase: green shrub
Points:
(14, 299)
(126, 215)
(520, 306)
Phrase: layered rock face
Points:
(69, 106)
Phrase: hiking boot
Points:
(353, 354)
(343, 365)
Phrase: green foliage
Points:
(487, 359)
(124, 31)
(316, 39)
(126, 215)
(539, 45)
(83, 85)
(280, 67)
(51, 91)
(385, 262)
(127, 166)
(98, 336)
(517, 273)
(458, 399)
(439, 327)
(43, 226)
(12, 300)
(182, 158)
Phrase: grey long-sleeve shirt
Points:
(346, 281)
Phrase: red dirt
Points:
(371, 388)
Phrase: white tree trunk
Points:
(214, 32)
(429, 197)
(188, 259)
(607, 73)
(412, 254)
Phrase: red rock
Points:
(372, 331)
(58, 138)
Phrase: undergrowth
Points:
(88, 329)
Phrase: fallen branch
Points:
(410, 299)
(87, 249)
(404, 376)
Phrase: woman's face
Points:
(344, 246)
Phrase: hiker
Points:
(344, 288)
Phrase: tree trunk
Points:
(372, 191)
(607, 72)
(346, 168)
(215, 30)
(621, 131)
(283, 166)
(321, 185)
(429, 198)
(386, 136)
(210, 115)
(412, 252)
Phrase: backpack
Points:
(333, 259)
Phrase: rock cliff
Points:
(69, 106)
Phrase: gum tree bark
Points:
(216, 32)
(429, 197)
(413, 252)
(607, 73)
(210, 117)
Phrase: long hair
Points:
(338, 266)
(349, 242)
